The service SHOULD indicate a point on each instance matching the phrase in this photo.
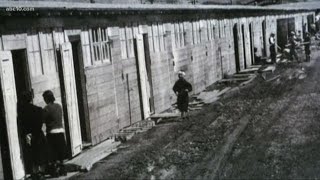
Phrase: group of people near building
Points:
(293, 42)
(182, 87)
(43, 153)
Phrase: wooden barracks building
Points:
(113, 65)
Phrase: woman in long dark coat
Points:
(182, 88)
(34, 143)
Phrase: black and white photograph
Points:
(159, 89)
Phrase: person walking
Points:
(272, 42)
(182, 88)
(307, 43)
(30, 122)
(55, 135)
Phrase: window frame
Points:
(99, 44)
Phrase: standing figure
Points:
(181, 88)
(272, 42)
(293, 44)
(307, 41)
(299, 36)
(34, 143)
(55, 134)
(313, 29)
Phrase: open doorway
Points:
(264, 44)
(22, 84)
(282, 32)
(251, 43)
(291, 25)
(310, 20)
(81, 90)
(244, 47)
(21, 73)
(236, 46)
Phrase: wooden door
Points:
(236, 46)
(145, 86)
(149, 72)
(71, 98)
(10, 107)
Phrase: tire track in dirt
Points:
(212, 167)
(290, 106)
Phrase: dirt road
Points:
(264, 130)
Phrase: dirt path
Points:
(283, 146)
(265, 130)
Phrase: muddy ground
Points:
(263, 130)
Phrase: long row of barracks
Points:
(110, 66)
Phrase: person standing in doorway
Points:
(55, 135)
(272, 42)
(182, 88)
(30, 120)
(293, 44)
(307, 43)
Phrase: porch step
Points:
(165, 115)
(144, 123)
(196, 103)
(87, 158)
(234, 79)
(241, 75)
(252, 77)
(138, 127)
(255, 66)
(251, 70)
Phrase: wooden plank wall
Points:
(160, 66)
(101, 101)
(109, 111)
(258, 34)
(240, 43)
(247, 42)
(227, 47)
(198, 63)
(108, 84)
(170, 60)
(161, 81)
(271, 27)
(126, 81)
(42, 64)
(211, 46)
(298, 25)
